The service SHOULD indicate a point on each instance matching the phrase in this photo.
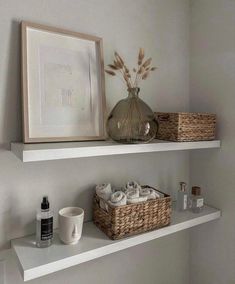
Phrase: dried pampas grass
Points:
(142, 71)
(110, 72)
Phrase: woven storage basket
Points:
(184, 126)
(128, 220)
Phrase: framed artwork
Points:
(62, 85)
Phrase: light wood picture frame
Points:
(63, 91)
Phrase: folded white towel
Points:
(150, 193)
(118, 198)
(136, 200)
(104, 191)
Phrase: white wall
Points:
(213, 90)
(161, 26)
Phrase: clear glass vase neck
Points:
(133, 92)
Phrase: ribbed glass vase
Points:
(132, 120)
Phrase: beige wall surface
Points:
(162, 28)
(213, 89)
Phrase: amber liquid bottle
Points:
(197, 199)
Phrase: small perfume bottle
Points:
(44, 228)
(197, 199)
(182, 197)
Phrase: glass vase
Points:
(132, 120)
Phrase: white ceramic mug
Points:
(70, 224)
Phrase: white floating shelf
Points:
(35, 262)
(57, 151)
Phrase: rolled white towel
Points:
(132, 193)
(103, 205)
(118, 198)
(115, 189)
(150, 193)
(132, 185)
(136, 200)
(104, 191)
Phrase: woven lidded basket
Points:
(183, 126)
(127, 220)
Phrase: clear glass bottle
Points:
(44, 225)
(182, 197)
(197, 200)
(132, 120)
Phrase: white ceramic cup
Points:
(70, 224)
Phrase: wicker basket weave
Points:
(184, 126)
(128, 220)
